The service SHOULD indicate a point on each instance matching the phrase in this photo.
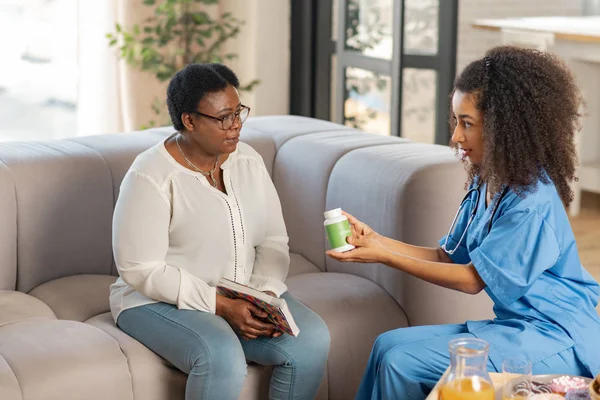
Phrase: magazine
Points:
(277, 309)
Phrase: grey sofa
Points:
(57, 338)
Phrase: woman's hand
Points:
(277, 332)
(241, 315)
(369, 247)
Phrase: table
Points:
(577, 41)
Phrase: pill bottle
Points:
(337, 228)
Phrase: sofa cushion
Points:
(67, 360)
(285, 127)
(301, 175)
(17, 306)
(356, 311)
(263, 144)
(77, 297)
(64, 208)
(152, 377)
(267, 134)
(300, 265)
(119, 150)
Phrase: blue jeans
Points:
(406, 363)
(205, 347)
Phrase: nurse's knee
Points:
(384, 343)
(400, 361)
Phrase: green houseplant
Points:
(179, 33)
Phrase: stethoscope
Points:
(477, 191)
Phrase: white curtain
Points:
(112, 96)
(99, 96)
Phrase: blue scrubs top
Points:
(544, 300)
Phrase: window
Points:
(38, 72)
(383, 66)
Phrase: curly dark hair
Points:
(531, 112)
(188, 86)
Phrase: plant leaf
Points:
(200, 18)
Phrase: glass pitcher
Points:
(467, 378)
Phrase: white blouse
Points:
(175, 236)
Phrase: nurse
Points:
(515, 115)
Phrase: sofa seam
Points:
(105, 163)
(108, 335)
(112, 189)
(124, 355)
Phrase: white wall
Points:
(472, 43)
(264, 53)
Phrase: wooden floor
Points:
(586, 227)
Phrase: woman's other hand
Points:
(243, 318)
(367, 242)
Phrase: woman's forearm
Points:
(421, 253)
(463, 278)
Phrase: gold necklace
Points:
(209, 174)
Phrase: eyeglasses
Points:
(228, 120)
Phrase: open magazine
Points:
(277, 309)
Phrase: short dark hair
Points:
(531, 108)
(188, 86)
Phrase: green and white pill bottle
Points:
(337, 228)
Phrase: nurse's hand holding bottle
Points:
(369, 244)
(430, 264)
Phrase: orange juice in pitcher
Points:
(467, 389)
(467, 378)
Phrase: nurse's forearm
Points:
(422, 253)
(463, 278)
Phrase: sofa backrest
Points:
(61, 215)
(57, 197)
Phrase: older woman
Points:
(193, 209)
